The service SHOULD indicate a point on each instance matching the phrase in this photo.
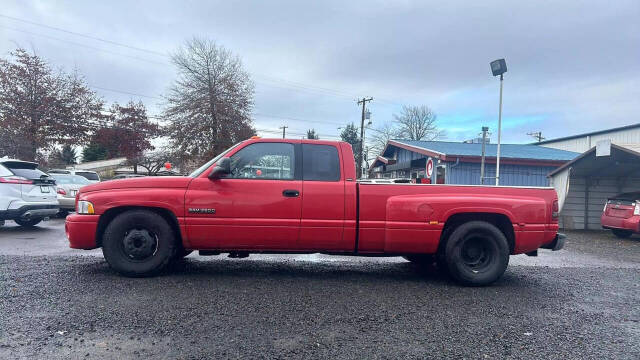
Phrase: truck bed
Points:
(407, 218)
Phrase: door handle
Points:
(290, 193)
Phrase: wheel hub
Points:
(139, 244)
(475, 253)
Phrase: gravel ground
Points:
(581, 302)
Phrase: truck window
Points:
(266, 161)
(320, 163)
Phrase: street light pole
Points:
(499, 67)
(499, 133)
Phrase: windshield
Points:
(71, 179)
(204, 167)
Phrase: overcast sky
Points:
(573, 66)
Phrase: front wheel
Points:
(28, 223)
(138, 243)
(622, 234)
(476, 253)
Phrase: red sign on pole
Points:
(429, 168)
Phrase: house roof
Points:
(621, 128)
(509, 151)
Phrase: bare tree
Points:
(380, 137)
(417, 123)
(210, 103)
(155, 161)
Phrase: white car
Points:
(67, 187)
(92, 176)
(27, 195)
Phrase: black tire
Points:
(138, 243)
(29, 222)
(622, 234)
(421, 259)
(63, 213)
(476, 253)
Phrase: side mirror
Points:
(223, 167)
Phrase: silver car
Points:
(27, 195)
(92, 176)
(67, 187)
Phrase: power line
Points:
(84, 46)
(287, 83)
(83, 35)
(126, 92)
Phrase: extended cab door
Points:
(257, 206)
(323, 203)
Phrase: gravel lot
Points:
(581, 302)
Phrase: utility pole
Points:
(362, 102)
(284, 129)
(484, 141)
(537, 135)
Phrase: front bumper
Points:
(557, 243)
(81, 231)
(29, 212)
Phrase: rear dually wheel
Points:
(476, 253)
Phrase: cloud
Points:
(573, 66)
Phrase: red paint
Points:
(620, 217)
(328, 216)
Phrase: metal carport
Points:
(585, 183)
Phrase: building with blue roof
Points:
(460, 163)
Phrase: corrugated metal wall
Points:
(510, 175)
(573, 212)
(582, 144)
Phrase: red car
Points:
(301, 196)
(621, 214)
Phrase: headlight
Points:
(636, 210)
(85, 208)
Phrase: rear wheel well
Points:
(110, 214)
(500, 221)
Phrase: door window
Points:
(320, 163)
(266, 161)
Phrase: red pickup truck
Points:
(301, 196)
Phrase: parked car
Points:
(621, 214)
(300, 196)
(92, 176)
(27, 195)
(127, 176)
(67, 187)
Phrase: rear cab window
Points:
(320, 163)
